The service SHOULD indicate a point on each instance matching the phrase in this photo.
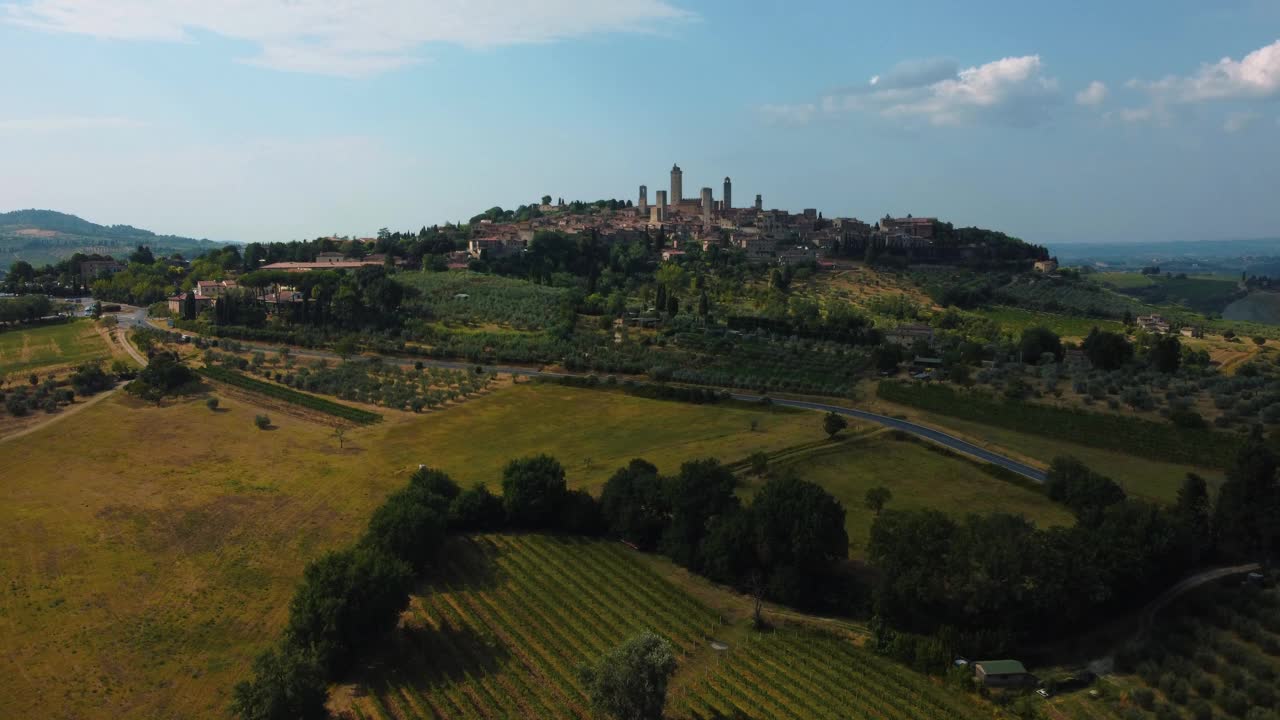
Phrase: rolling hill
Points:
(44, 236)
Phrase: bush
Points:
(211, 403)
(476, 510)
(1143, 698)
(533, 490)
(262, 422)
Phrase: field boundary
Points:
(280, 392)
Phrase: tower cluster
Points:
(704, 206)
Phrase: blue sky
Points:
(273, 120)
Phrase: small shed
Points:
(1000, 673)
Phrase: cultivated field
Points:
(48, 347)
(1014, 320)
(918, 475)
(149, 553)
(503, 630)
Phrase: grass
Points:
(149, 553)
(503, 630)
(592, 432)
(919, 476)
(1015, 320)
(1140, 477)
(48, 346)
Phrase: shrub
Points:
(262, 421)
(1143, 698)
(476, 510)
(211, 403)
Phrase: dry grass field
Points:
(50, 347)
(150, 552)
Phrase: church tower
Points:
(677, 185)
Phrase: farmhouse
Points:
(1046, 266)
(1153, 324)
(1001, 673)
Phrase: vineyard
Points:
(799, 674)
(469, 298)
(503, 629)
(280, 392)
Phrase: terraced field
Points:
(503, 629)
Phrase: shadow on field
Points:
(426, 657)
(468, 563)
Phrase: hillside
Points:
(45, 236)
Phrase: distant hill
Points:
(44, 236)
(1211, 254)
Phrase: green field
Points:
(1257, 307)
(504, 628)
(918, 475)
(1140, 477)
(1015, 320)
(1202, 293)
(48, 346)
(1124, 280)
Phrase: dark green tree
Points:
(635, 505)
(1165, 354)
(1192, 511)
(1036, 341)
(630, 682)
(877, 497)
(1107, 350)
(1246, 517)
(701, 491)
(287, 684)
(833, 423)
(533, 489)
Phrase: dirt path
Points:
(72, 410)
(1183, 587)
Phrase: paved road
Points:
(138, 318)
(928, 433)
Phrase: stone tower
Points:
(707, 205)
(644, 200)
(662, 200)
(677, 185)
(759, 204)
(726, 200)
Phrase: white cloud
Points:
(1011, 90)
(1094, 94)
(1239, 121)
(60, 123)
(1256, 76)
(351, 38)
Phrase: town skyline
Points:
(235, 125)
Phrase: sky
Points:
(261, 120)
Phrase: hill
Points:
(45, 236)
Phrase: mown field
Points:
(918, 475)
(149, 553)
(48, 346)
(504, 628)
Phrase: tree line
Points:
(785, 542)
(987, 583)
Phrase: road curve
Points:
(950, 442)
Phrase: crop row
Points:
(280, 392)
(794, 674)
(503, 630)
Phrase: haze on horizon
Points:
(287, 120)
